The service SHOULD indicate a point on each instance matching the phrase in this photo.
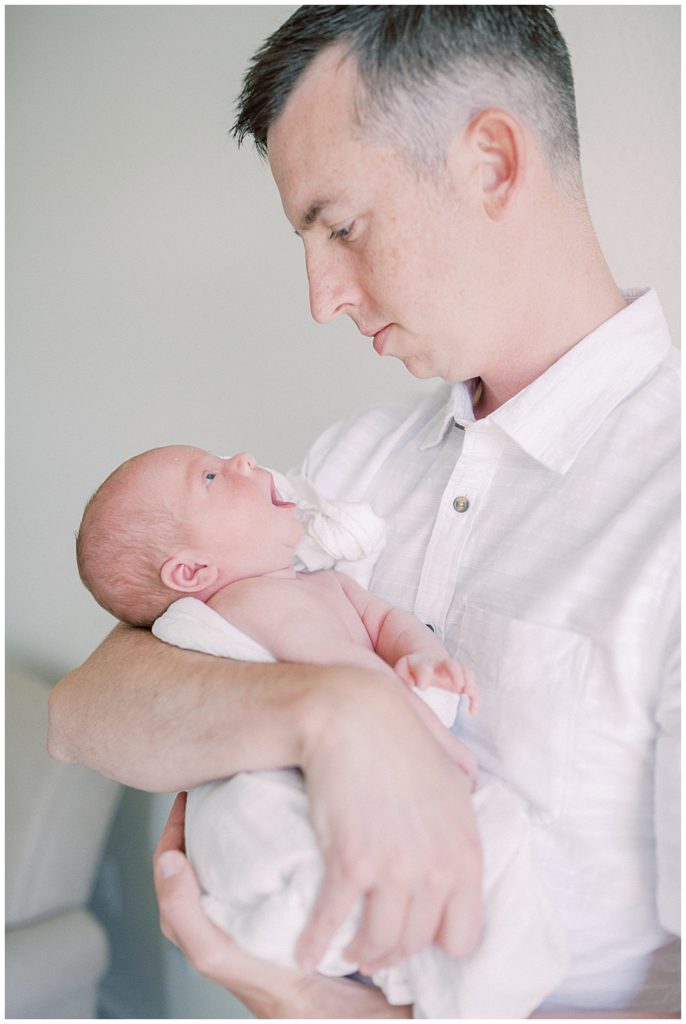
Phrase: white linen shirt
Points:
(542, 545)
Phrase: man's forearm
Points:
(159, 718)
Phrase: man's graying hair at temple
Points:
(425, 72)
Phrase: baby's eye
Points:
(209, 477)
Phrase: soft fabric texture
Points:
(251, 843)
(345, 534)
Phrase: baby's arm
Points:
(293, 631)
(413, 651)
(290, 626)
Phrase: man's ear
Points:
(497, 140)
(188, 572)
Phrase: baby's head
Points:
(176, 522)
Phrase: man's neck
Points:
(564, 296)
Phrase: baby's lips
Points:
(277, 500)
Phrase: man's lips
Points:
(380, 339)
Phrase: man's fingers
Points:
(421, 924)
(182, 919)
(178, 895)
(173, 836)
(335, 899)
(461, 928)
(184, 922)
(380, 930)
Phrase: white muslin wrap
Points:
(345, 534)
(251, 843)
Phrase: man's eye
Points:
(209, 477)
(343, 233)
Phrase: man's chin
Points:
(418, 367)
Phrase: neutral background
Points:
(155, 294)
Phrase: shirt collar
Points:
(557, 414)
(455, 410)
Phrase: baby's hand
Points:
(423, 671)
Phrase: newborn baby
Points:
(211, 540)
(177, 522)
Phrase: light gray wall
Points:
(155, 293)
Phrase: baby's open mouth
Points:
(276, 500)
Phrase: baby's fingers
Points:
(471, 690)
(403, 669)
(415, 671)
(462, 681)
(424, 674)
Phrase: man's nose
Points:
(243, 463)
(333, 286)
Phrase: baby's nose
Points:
(244, 462)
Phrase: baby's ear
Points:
(188, 572)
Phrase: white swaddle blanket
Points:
(251, 843)
(254, 850)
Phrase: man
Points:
(428, 159)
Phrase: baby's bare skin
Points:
(232, 547)
(327, 618)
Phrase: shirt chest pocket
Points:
(531, 680)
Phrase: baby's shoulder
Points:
(258, 591)
(324, 581)
(251, 603)
(239, 590)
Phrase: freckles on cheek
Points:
(384, 264)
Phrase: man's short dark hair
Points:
(425, 72)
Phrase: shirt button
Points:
(461, 504)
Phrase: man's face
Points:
(230, 507)
(402, 254)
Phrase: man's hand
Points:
(423, 670)
(269, 991)
(395, 825)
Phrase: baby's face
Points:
(231, 508)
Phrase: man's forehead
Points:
(330, 78)
(320, 108)
(313, 155)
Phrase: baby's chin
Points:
(298, 531)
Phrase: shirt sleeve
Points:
(667, 799)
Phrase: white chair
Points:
(57, 820)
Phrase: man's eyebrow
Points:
(313, 213)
